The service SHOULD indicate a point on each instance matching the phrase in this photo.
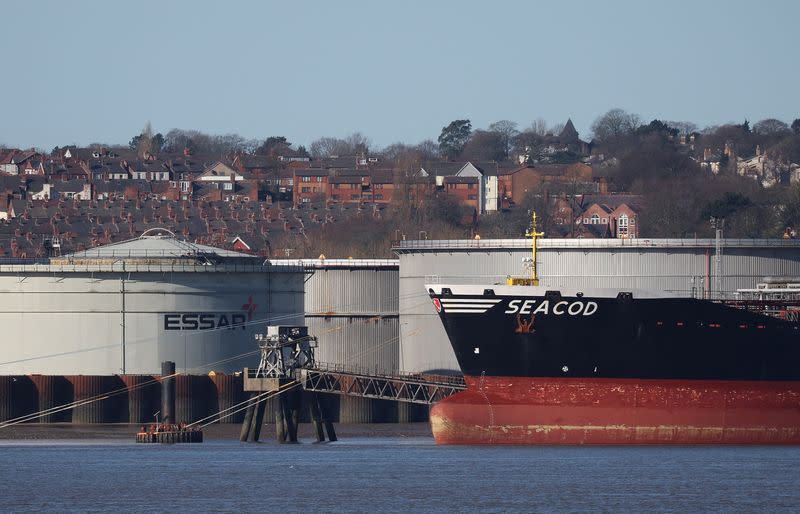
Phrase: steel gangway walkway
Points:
(425, 389)
(288, 368)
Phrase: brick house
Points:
(109, 189)
(310, 186)
(465, 189)
(219, 172)
(517, 183)
(617, 214)
(6, 209)
(253, 165)
(383, 187)
(231, 191)
(70, 172)
(238, 244)
(345, 189)
(487, 173)
(19, 162)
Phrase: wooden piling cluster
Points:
(288, 407)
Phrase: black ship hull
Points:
(613, 367)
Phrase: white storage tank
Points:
(124, 308)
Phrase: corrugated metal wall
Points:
(353, 311)
(354, 314)
(356, 290)
(674, 265)
(366, 343)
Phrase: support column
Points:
(280, 422)
(325, 419)
(288, 415)
(168, 392)
(258, 420)
(316, 417)
(248, 419)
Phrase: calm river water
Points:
(385, 474)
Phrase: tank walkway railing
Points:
(411, 388)
(504, 244)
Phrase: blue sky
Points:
(96, 71)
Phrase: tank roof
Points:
(156, 246)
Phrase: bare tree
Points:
(684, 127)
(393, 151)
(771, 127)
(507, 130)
(358, 143)
(487, 146)
(176, 140)
(539, 127)
(145, 146)
(326, 147)
(428, 150)
(355, 143)
(614, 124)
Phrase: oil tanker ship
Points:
(549, 366)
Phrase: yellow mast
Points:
(534, 235)
(534, 280)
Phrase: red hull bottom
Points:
(519, 410)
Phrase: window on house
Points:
(305, 189)
(379, 197)
(595, 219)
(306, 179)
(604, 221)
(472, 197)
(305, 200)
(228, 186)
(355, 197)
(319, 179)
(622, 226)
